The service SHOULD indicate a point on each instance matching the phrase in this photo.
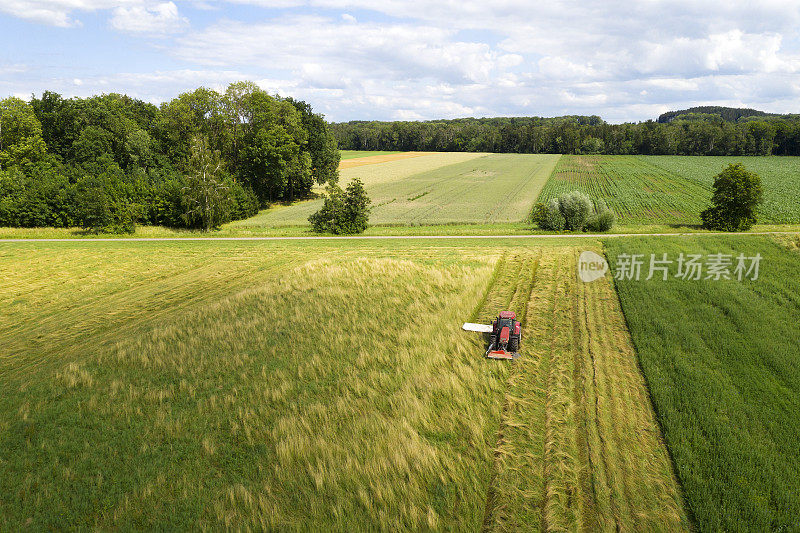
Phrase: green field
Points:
(352, 154)
(780, 177)
(437, 189)
(154, 385)
(637, 191)
(673, 189)
(721, 362)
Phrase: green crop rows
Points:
(780, 177)
(637, 191)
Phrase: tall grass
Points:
(263, 386)
(721, 360)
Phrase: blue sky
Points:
(359, 59)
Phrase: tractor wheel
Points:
(513, 344)
(493, 342)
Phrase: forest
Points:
(686, 133)
(111, 161)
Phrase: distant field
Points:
(721, 361)
(636, 190)
(438, 188)
(352, 154)
(673, 189)
(780, 177)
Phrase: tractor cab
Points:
(505, 335)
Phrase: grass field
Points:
(353, 154)
(437, 189)
(780, 177)
(189, 385)
(721, 362)
(673, 189)
(181, 386)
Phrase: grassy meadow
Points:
(246, 385)
(721, 362)
(321, 385)
(436, 189)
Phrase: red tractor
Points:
(505, 334)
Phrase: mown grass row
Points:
(578, 447)
(721, 360)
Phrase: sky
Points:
(415, 59)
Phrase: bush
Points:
(602, 219)
(737, 195)
(573, 211)
(548, 216)
(342, 212)
(576, 208)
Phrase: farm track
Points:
(578, 446)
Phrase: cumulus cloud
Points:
(429, 59)
(58, 12)
(160, 18)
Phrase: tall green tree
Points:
(205, 196)
(737, 195)
(21, 142)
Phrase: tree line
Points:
(709, 134)
(199, 160)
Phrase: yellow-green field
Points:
(441, 188)
(318, 385)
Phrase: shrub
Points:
(553, 218)
(573, 211)
(576, 208)
(342, 212)
(737, 195)
(602, 219)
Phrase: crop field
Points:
(377, 159)
(353, 154)
(634, 188)
(780, 177)
(721, 361)
(673, 189)
(437, 189)
(187, 385)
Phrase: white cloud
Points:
(58, 12)
(158, 19)
(447, 58)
